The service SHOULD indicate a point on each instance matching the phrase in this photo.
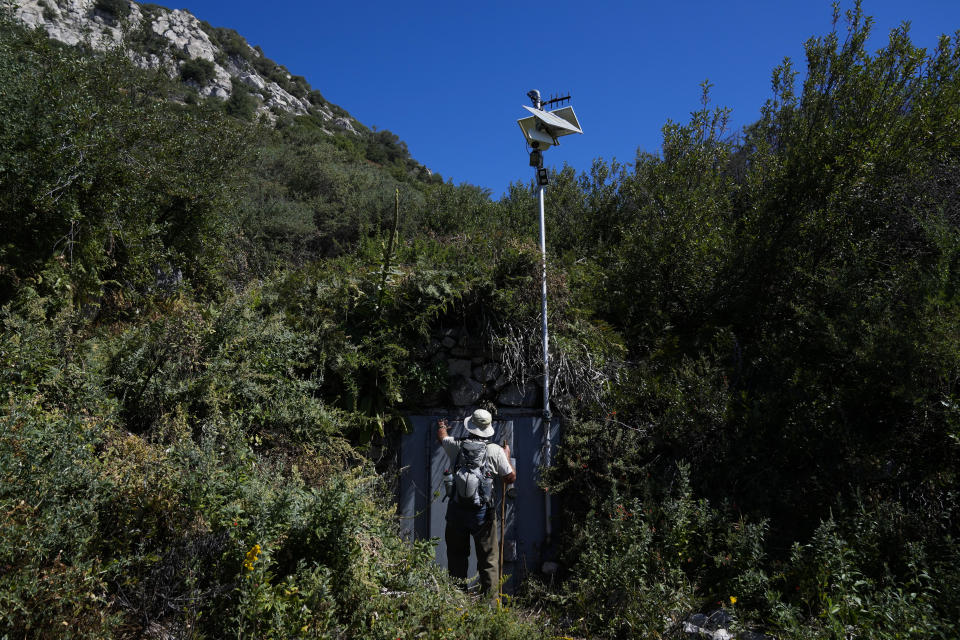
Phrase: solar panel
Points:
(567, 114)
(544, 127)
(554, 121)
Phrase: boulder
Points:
(345, 124)
(487, 372)
(719, 619)
(457, 367)
(698, 619)
(465, 392)
(712, 627)
(280, 98)
(252, 80)
(221, 85)
(693, 631)
(514, 395)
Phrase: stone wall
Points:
(474, 375)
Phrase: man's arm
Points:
(441, 430)
(512, 476)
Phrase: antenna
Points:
(556, 100)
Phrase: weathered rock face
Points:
(344, 123)
(82, 22)
(184, 33)
(487, 372)
(75, 21)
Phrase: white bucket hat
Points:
(480, 423)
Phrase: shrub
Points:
(208, 524)
(299, 86)
(241, 103)
(197, 71)
(233, 43)
(48, 12)
(117, 8)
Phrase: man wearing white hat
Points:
(474, 515)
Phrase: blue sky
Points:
(450, 77)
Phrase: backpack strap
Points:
(456, 463)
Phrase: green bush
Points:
(208, 523)
(117, 8)
(299, 87)
(782, 302)
(241, 104)
(198, 71)
(754, 348)
(167, 202)
(233, 43)
(48, 12)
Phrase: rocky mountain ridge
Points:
(216, 62)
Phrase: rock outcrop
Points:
(76, 21)
(175, 37)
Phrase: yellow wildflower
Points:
(733, 599)
(251, 557)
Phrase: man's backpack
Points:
(472, 485)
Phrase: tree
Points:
(107, 185)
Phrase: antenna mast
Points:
(541, 130)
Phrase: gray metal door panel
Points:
(423, 509)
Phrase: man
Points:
(472, 516)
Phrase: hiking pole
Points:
(503, 530)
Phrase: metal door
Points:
(423, 508)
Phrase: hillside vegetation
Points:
(206, 346)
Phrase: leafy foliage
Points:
(754, 336)
(173, 454)
(219, 515)
(115, 8)
(784, 295)
(105, 184)
(197, 70)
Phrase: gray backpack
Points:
(472, 485)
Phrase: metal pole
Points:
(546, 358)
(503, 532)
(543, 305)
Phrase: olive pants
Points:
(484, 533)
